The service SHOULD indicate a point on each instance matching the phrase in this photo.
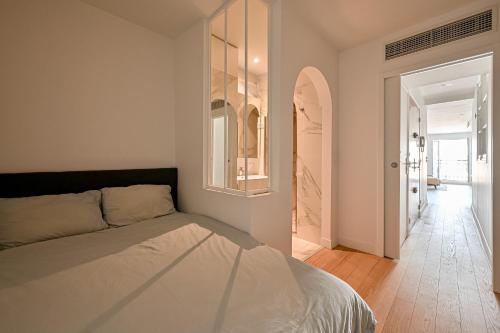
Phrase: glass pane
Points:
(239, 153)
(217, 102)
(256, 113)
(236, 93)
(454, 160)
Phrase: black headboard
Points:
(15, 185)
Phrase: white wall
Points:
(361, 111)
(267, 217)
(481, 178)
(82, 89)
(359, 98)
(362, 70)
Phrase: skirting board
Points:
(424, 206)
(356, 245)
(484, 243)
(326, 243)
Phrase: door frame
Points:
(436, 62)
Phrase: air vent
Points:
(450, 32)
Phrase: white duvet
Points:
(178, 273)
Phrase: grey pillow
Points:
(32, 219)
(127, 205)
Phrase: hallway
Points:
(442, 283)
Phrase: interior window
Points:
(239, 132)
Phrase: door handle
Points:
(415, 165)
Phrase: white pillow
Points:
(32, 219)
(127, 205)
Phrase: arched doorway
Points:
(312, 158)
(252, 122)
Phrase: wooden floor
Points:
(442, 283)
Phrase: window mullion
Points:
(245, 110)
(226, 123)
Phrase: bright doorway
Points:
(438, 138)
(312, 155)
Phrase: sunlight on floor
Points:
(441, 283)
(453, 194)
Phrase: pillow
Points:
(32, 219)
(127, 205)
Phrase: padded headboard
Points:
(15, 185)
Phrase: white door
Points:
(414, 162)
(395, 151)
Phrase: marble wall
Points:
(308, 160)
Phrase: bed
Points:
(175, 273)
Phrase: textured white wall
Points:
(358, 149)
(82, 89)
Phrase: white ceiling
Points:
(345, 23)
(171, 17)
(167, 17)
(452, 82)
(257, 37)
(448, 72)
(450, 117)
(453, 90)
(448, 93)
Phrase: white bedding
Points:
(177, 273)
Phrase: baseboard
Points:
(356, 245)
(484, 243)
(326, 243)
(424, 206)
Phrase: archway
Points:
(312, 169)
(252, 122)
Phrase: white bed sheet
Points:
(177, 273)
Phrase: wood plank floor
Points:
(442, 283)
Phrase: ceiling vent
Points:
(450, 32)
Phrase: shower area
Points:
(306, 175)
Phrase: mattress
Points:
(177, 273)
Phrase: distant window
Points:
(238, 132)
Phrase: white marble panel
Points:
(309, 140)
